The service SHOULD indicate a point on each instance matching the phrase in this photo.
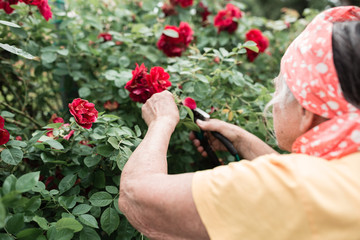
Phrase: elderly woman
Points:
(312, 193)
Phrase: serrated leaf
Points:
(12, 156)
(81, 209)
(91, 161)
(67, 182)
(16, 51)
(27, 182)
(100, 199)
(113, 142)
(171, 33)
(89, 234)
(68, 223)
(112, 189)
(15, 143)
(88, 220)
(54, 144)
(42, 222)
(109, 220)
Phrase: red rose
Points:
(2, 122)
(67, 137)
(45, 10)
(158, 79)
(182, 3)
(18, 138)
(173, 47)
(58, 120)
(168, 9)
(4, 136)
(111, 105)
(190, 103)
(84, 112)
(32, 2)
(5, 4)
(261, 41)
(143, 85)
(204, 12)
(105, 36)
(138, 86)
(224, 19)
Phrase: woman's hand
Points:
(161, 107)
(248, 145)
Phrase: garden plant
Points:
(73, 78)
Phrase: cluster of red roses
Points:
(225, 20)
(143, 85)
(4, 134)
(42, 5)
(65, 127)
(174, 46)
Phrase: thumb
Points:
(209, 125)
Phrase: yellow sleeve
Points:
(247, 200)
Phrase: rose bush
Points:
(62, 151)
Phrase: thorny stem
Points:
(21, 113)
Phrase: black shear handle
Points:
(211, 155)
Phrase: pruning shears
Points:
(214, 160)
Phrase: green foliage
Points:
(58, 188)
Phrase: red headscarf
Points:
(309, 71)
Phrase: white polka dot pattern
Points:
(309, 71)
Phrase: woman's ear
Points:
(309, 120)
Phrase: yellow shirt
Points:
(281, 197)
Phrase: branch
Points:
(22, 113)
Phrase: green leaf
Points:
(42, 222)
(53, 125)
(10, 24)
(113, 142)
(137, 131)
(171, 33)
(29, 234)
(27, 182)
(15, 143)
(16, 51)
(88, 220)
(112, 189)
(84, 92)
(4, 236)
(67, 201)
(54, 144)
(9, 184)
(12, 156)
(81, 209)
(2, 215)
(61, 234)
(15, 223)
(251, 45)
(67, 182)
(68, 223)
(48, 57)
(35, 138)
(63, 52)
(100, 199)
(104, 150)
(202, 78)
(91, 161)
(89, 234)
(109, 220)
(7, 114)
(99, 179)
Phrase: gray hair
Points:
(282, 95)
